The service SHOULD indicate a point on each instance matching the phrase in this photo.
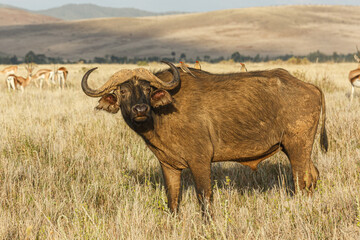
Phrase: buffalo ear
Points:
(108, 103)
(160, 98)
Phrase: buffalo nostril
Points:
(143, 108)
(134, 109)
(140, 108)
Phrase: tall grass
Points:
(67, 172)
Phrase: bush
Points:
(297, 60)
(142, 63)
(227, 62)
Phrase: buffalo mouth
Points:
(140, 119)
(140, 113)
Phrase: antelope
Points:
(197, 65)
(44, 75)
(18, 80)
(243, 68)
(11, 83)
(354, 77)
(9, 70)
(61, 75)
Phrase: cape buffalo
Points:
(191, 121)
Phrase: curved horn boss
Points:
(168, 85)
(115, 80)
(125, 75)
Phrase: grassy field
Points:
(67, 172)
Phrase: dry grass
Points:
(68, 173)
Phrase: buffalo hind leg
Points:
(172, 179)
(305, 174)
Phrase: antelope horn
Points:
(356, 58)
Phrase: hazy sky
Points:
(177, 5)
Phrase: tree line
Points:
(236, 57)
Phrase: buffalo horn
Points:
(125, 75)
(168, 85)
(115, 80)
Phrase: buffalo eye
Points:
(147, 90)
(123, 92)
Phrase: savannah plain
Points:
(68, 172)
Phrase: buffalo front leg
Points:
(202, 178)
(172, 179)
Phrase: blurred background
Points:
(88, 31)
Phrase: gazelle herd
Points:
(59, 76)
(47, 76)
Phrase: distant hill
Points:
(266, 31)
(8, 6)
(12, 16)
(86, 11)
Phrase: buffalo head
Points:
(135, 92)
